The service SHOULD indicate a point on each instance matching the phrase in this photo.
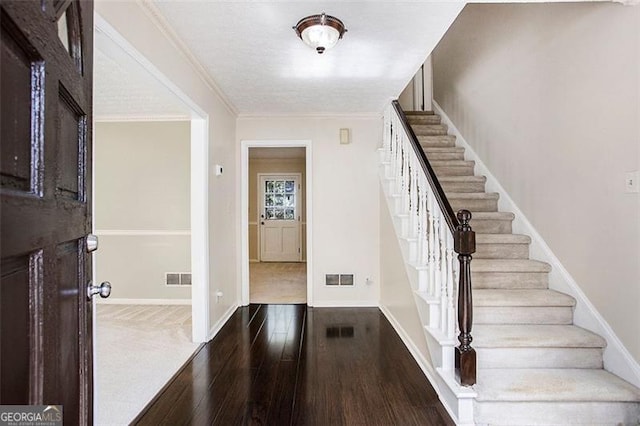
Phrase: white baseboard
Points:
(215, 329)
(346, 304)
(426, 367)
(113, 301)
(617, 358)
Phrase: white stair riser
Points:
(522, 315)
(539, 357)
(454, 171)
(491, 226)
(556, 413)
(509, 280)
(409, 248)
(501, 251)
(482, 205)
(402, 224)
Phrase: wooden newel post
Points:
(464, 241)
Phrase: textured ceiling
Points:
(124, 90)
(250, 50)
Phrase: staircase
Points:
(534, 366)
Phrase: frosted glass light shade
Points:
(320, 32)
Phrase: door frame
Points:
(260, 206)
(199, 165)
(244, 210)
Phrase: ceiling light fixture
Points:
(320, 32)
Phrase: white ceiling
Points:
(249, 49)
(125, 90)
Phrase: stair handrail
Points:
(425, 219)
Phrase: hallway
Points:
(289, 364)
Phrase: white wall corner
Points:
(617, 359)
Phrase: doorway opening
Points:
(276, 222)
(149, 213)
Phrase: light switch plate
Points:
(632, 182)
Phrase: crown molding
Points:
(320, 116)
(134, 118)
(163, 25)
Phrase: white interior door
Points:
(280, 218)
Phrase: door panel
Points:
(14, 357)
(45, 329)
(280, 218)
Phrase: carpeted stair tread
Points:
(492, 215)
(443, 140)
(430, 129)
(553, 385)
(424, 119)
(460, 179)
(502, 239)
(534, 336)
(509, 265)
(409, 113)
(444, 149)
(452, 163)
(520, 298)
(473, 195)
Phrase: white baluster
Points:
(444, 293)
(451, 290)
(431, 236)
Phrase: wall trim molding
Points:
(140, 232)
(215, 328)
(617, 358)
(116, 301)
(326, 116)
(158, 19)
(138, 118)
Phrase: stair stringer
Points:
(617, 358)
(457, 400)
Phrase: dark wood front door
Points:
(45, 190)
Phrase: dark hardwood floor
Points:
(293, 365)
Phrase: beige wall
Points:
(142, 175)
(141, 186)
(345, 198)
(273, 165)
(162, 52)
(396, 294)
(548, 95)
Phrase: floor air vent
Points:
(338, 279)
(177, 278)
